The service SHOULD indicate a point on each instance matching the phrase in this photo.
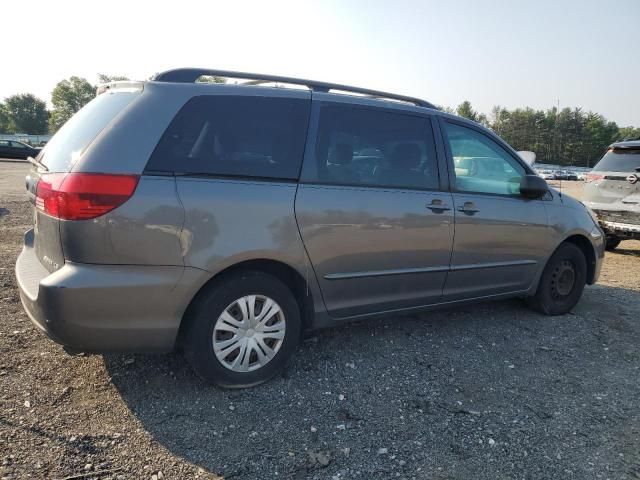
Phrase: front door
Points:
(501, 239)
(374, 218)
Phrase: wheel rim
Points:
(563, 280)
(249, 333)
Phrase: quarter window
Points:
(360, 146)
(235, 135)
(480, 164)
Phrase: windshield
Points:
(619, 160)
(66, 146)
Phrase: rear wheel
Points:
(242, 329)
(612, 243)
(562, 281)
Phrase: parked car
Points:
(224, 220)
(546, 174)
(15, 149)
(571, 175)
(612, 191)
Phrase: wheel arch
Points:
(583, 243)
(285, 273)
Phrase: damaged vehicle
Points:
(223, 220)
(612, 191)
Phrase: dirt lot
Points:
(484, 392)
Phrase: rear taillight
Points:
(592, 177)
(83, 196)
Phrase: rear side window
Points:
(235, 135)
(369, 147)
(619, 160)
(66, 146)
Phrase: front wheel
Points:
(242, 329)
(562, 281)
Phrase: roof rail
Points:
(189, 75)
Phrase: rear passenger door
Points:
(372, 208)
(501, 238)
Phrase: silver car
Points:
(613, 192)
(225, 220)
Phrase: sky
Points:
(517, 53)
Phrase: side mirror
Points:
(533, 186)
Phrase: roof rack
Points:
(189, 75)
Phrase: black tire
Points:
(562, 281)
(612, 243)
(210, 304)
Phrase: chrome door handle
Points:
(437, 205)
(468, 207)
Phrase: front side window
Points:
(236, 136)
(360, 146)
(18, 145)
(480, 164)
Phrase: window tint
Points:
(619, 160)
(481, 165)
(359, 146)
(74, 137)
(235, 135)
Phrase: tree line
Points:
(26, 113)
(569, 137)
(562, 137)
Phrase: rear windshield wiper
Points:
(37, 163)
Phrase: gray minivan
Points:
(225, 220)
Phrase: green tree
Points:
(67, 98)
(566, 137)
(26, 114)
(466, 110)
(628, 133)
(4, 119)
(102, 78)
(446, 109)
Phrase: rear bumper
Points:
(100, 308)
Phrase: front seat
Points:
(339, 164)
(403, 166)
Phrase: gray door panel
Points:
(228, 221)
(376, 249)
(498, 248)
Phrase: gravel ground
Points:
(484, 392)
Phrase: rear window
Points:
(619, 160)
(236, 136)
(66, 146)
